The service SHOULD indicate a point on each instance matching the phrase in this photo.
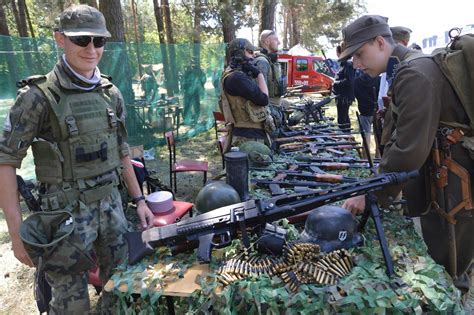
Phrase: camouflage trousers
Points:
(101, 225)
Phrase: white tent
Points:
(299, 50)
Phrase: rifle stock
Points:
(223, 223)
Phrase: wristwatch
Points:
(137, 199)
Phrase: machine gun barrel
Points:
(216, 228)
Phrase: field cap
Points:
(365, 28)
(82, 20)
(401, 33)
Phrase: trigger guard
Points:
(225, 240)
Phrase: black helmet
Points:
(215, 195)
(332, 228)
(238, 46)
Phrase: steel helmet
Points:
(214, 195)
(259, 154)
(332, 228)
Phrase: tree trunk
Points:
(9, 57)
(286, 25)
(295, 34)
(164, 53)
(228, 21)
(137, 40)
(171, 44)
(197, 32)
(267, 15)
(114, 19)
(20, 19)
(30, 25)
(22, 16)
(117, 62)
(92, 3)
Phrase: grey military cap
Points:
(401, 33)
(365, 28)
(82, 20)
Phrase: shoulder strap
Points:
(30, 80)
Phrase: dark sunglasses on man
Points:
(83, 41)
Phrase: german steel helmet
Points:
(214, 195)
(332, 228)
(259, 154)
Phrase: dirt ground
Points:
(16, 284)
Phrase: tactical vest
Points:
(85, 128)
(274, 83)
(239, 110)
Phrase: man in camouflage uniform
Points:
(267, 62)
(423, 104)
(73, 118)
(244, 97)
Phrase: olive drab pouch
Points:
(52, 243)
(457, 64)
(256, 113)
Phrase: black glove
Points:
(250, 70)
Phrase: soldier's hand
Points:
(250, 69)
(20, 252)
(145, 215)
(356, 205)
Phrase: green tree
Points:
(308, 20)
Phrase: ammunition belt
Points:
(301, 263)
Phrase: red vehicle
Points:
(312, 72)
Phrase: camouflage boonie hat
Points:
(82, 20)
(52, 244)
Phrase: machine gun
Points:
(294, 91)
(310, 111)
(217, 228)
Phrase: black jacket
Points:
(366, 90)
(343, 86)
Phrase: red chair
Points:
(182, 165)
(219, 123)
(220, 146)
(179, 210)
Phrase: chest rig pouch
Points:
(245, 113)
(85, 129)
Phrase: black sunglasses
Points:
(83, 41)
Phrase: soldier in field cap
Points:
(423, 103)
(75, 125)
(401, 34)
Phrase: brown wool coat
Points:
(423, 97)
